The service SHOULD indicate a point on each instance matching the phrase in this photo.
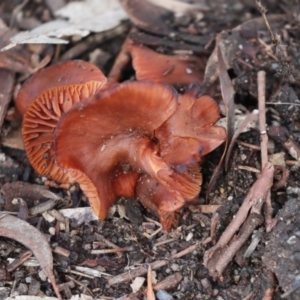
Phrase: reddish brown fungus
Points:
(64, 73)
(46, 97)
(119, 132)
(166, 201)
(133, 139)
(171, 69)
(128, 129)
(190, 130)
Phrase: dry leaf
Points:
(80, 214)
(7, 80)
(83, 18)
(30, 298)
(137, 284)
(22, 232)
(180, 7)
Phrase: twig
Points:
(249, 169)
(217, 257)
(261, 83)
(140, 271)
(165, 242)
(169, 282)
(287, 71)
(251, 146)
(19, 261)
(42, 207)
(256, 237)
(282, 135)
(101, 238)
(283, 103)
(248, 227)
(62, 251)
(186, 251)
(115, 250)
(263, 12)
(81, 284)
(150, 293)
(208, 208)
(91, 272)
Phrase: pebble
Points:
(163, 295)
(52, 230)
(28, 279)
(175, 267)
(189, 236)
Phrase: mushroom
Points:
(113, 133)
(43, 100)
(167, 201)
(111, 144)
(184, 138)
(170, 69)
(190, 129)
(64, 73)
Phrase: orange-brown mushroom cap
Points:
(190, 130)
(51, 101)
(170, 69)
(64, 73)
(167, 201)
(112, 130)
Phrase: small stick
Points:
(70, 284)
(257, 192)
(80, 284)
(115, 250)
(150, 293)
(169, 282)
(251, 146)
(261, 82)
(292, 162)
(208, 208)
(42, 207)
(263, 11)
(91, 272)
(108, 243)
(19, 261)
(250, 169)
(217, 257)
(185, 251)
(165, 242)
(62, 251)
(248, 227)
(283, 103)
(141, 271)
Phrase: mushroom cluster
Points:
(137, 138)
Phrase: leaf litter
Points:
(82, 18)
(246, 50)
(19, 230)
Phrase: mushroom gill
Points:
(63, 73)
(44, 98)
